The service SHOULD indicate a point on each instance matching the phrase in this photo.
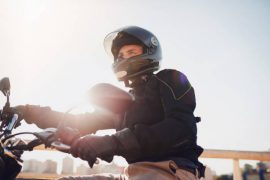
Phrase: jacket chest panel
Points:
(147, 108)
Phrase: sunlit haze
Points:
(52, 51)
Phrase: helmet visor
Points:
(126, 36)
(108, 41)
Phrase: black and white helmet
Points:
(133, 67)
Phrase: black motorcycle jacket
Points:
(162, 120)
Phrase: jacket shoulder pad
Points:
(175, 81)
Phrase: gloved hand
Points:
(91, 147)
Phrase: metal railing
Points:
(225, 154)
(236, 156)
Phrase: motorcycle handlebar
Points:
(44, 137)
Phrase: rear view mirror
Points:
(5, 86)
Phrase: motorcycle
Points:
(11, 147)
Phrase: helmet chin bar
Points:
(134, 66)
(139, 77)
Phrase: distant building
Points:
(100, 168)
(110, 168)
(67, 166)
(35, 166)
(32, 165)
(50, 167)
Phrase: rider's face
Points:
(129, 51)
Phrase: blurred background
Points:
(52, 51)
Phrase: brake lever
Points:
(48, 133)
(60, 146)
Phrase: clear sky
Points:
(52, 51)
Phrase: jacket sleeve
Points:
(86, 123)
(178, 129)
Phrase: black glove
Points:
(91, 147)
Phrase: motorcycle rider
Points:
(157, 135)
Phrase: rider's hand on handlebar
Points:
(91, 147)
